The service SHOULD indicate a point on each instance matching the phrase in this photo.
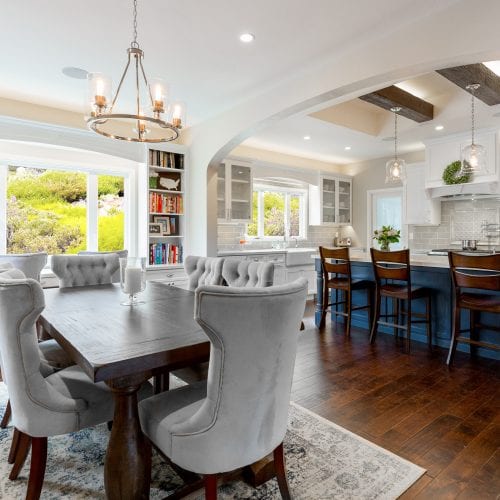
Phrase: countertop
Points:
(416, 259)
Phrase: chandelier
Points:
(473, 155)
(144, 122)
(395, 168)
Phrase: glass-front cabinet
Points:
(234, 192)
(330, 202)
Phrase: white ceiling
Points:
(194, 45)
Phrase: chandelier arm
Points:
(146, 83)
(120, 84)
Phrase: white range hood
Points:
(466, 190)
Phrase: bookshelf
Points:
(165, 208)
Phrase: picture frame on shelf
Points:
(155, 229)
(168, 225)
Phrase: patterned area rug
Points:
(324, 461)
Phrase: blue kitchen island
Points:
(429, 271)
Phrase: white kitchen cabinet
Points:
(445, 150)
(234, 192)
(330, 203)
(420, 209)
(308, 272)
(172, 277)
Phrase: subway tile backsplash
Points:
(460, 220)
(228, 237)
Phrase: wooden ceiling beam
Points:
(489, 90)
(412, 107)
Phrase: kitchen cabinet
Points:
(443, 151)
(307, 272)
(420, 209)
(172, 277)
(234, 192)
(330, 202)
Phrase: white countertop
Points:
(416, 259)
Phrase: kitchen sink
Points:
(299, 256)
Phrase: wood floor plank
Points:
(441, 418)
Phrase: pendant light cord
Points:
(472, 92)
(395, 136)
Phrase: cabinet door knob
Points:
(170, 275)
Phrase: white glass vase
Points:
(132, 278)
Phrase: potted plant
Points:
(386, 235)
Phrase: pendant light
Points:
(143, 122)
(395, 168)
(474, 155)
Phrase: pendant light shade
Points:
(395, 169)
(473, 156)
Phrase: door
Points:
(385, 208)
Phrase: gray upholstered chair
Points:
(31, 264)
(121, 253)
(248, 273)
(43, 403)
(83, 270)
(240, 415)
(203, 271)
(51, 353)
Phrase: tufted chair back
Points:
(248, 274)
(82, 270)
(121, 253)
(253, 335)
(203, 271)
(31, 264)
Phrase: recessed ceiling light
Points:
(307, 138)
(347, 148)
(247, 37)
(72, 72)
(438, 127)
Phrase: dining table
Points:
(124, 346)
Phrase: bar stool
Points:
(393, 281)
(478, 273)
(340, 267)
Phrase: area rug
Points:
(324, 461)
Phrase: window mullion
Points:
(92, 212)
(260, 214)
(4, 169)
(287, 217)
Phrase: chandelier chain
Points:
(134, 42)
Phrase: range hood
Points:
(464, 191)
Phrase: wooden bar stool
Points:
(337, 276)
(393, 281)
(481, 273)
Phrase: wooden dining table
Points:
(123, 346)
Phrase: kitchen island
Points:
(431, 271)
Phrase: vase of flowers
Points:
(386, 235)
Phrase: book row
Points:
(166, 160)
(165, 203)
(165, 253)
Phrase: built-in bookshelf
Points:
(166, 204)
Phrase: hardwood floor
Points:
(445, 420)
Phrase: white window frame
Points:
(370, 194)
(260, 189)
(92, 200)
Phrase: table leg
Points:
(127, 468)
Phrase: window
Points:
(385, 208)
(278, 213)
(63, 211)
